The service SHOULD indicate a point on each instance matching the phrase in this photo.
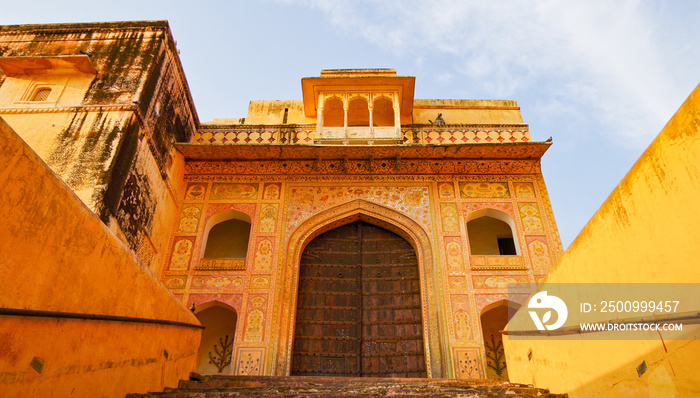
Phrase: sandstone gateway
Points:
(358, 231)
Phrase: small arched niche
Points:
(492, 233)
(41, 94)
(226, 235)
(216, 349)
(333, 113)
(494, 319)
(383, 112)
(358, 112)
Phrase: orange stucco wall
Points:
(56, 255)
(645, 232)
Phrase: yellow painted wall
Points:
(77, 145)
(57, 256)
(107, 127)
(645, 232)
(67, 89)
(272, 112)
(467, 111)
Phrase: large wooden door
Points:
(358, 306)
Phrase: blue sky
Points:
(601, 77)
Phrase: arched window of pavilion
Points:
(333, 113)
(358, 112)
(492, 233)
(383, 112)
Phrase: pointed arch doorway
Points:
(359, 306)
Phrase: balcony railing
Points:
(359, 135)
(411, 134)
(221, 264)
(497, 263)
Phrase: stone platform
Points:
(322, 387)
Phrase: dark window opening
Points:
(506, 247)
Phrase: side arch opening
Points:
(492, 233)
(216, 349)
(494, 319)
(226, 235)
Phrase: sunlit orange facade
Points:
(222, 212)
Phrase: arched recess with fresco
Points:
(436, 356)
(216, 347)
(494, 318)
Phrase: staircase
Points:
(323, 387)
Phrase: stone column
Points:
(319, 117)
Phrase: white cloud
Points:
(611, 50)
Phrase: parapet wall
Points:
(79, 314)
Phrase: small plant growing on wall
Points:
(222, 355)
(495, 357)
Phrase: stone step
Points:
(354, 387)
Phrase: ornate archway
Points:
(358, 310)
(436, 355)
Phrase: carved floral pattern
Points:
(195, 191)
(268, 219)
(524, 190)
(305, 201)
(484, 190)
(530, 216)
(450, 220)
(463, 330)
(189, 218)
(446, 190)
(233, 191)
(182, 251)
(254, 326)
(263, 256)
(271, 192)
(455, 259)
(539, 256)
